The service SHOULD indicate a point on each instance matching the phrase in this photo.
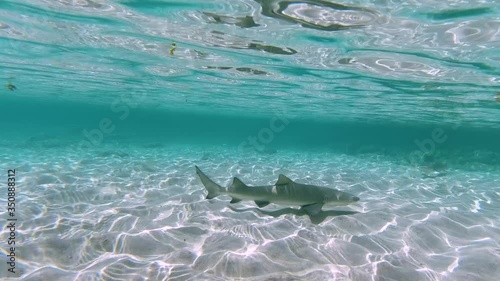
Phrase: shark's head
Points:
(339, 198)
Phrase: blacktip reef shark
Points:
(311, 198)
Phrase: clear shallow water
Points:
(139, 213)
(393, 102)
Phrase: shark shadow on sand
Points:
(315, 219)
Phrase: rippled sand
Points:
(140, 214)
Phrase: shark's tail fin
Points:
(213, 189)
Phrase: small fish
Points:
(171, 51)
(498, 97)
(11, 87)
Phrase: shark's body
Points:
(285, 192)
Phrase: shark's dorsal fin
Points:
(238, 183)
(282, 179)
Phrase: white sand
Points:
(140, 214)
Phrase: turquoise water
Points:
(104, 119)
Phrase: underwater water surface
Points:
(107, 106)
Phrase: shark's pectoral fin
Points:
(235, 200)
(313, 209)
(261, 203)
(282, 179)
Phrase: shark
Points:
(311, 198)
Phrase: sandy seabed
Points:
(140, 213)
